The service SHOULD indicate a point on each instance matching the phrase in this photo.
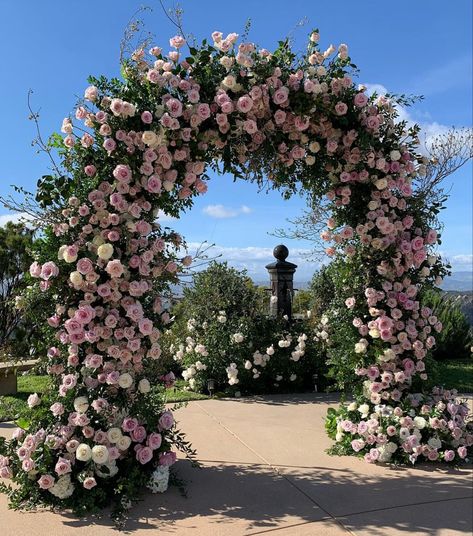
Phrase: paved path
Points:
(265, 472)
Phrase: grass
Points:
(454, 374)
(449, 373)
(12, 405)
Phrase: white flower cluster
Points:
(238, 337)
(222, 317)
(159, 480)
(299, 350)
(63, 487)
(232, 373)
(321, 332)
(189, 373)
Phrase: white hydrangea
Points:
(159, 480)
(63, 487)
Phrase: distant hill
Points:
(460, 281)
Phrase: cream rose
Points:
(150, 138)
(83, 453)
(76, 278)
(100, 454)
(124, 442)
(125, 381)
(114, 435)
(81, 404)
(105, 251)
(144, 386)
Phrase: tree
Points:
(15, 244)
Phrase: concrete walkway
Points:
(264, 472)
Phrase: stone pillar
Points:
(281, 275)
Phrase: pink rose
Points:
(46, 482)
(341, 108)
(48, 270)
(35, 269)
(166, 421)
(167, 458)
(154, 441)
(63, 466)
(360, 100)
(144, 455)
(138, 434)
(145, 326)
(129, 424)
(281, 95)
(244, 104)
(89, 482)
(114, 268)
(122, 173)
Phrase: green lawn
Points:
(455, 375)
(11, 406)
(450, 374)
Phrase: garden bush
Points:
(219, 333)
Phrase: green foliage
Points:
(220, 287)
(219, 323)
(15, 258)
(456, 338)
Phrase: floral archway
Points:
(140, 146)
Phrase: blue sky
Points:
(422, 47)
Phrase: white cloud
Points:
(254, 259)
(14, 217)
(162, 217)
(463, 260)
(221, 211)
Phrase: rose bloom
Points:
(89, 482)
(100, 454)
(166, 421)
(46, 481)
(114, 268)
(48, 270)
(63, 466)
(144, 455)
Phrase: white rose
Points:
(353, 406)
(310, 160)
(226, 61)
(83, 452)
(229, 81)
(248, 365)
(105, 251)
(364, 409)
(420, 422)
(381, 184)
(114, 435)
(314, 147)
(149, 138)
(125, 381)
(144, 386)
(76, 278)
(238, 337)
(81, 404)
(63, 488)
(360, 348)
(124, 442)
(100, 454)
(395, 155)
(60, 253)
(374, 333)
